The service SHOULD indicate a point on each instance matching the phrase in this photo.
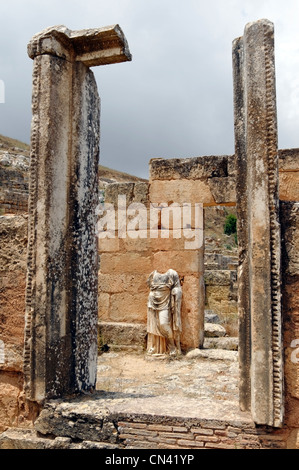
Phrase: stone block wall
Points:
(13, 233)
(207, 179)
(289, 215)
(14, 177)
(200, 434)
(289, 174)
(127, 262)
(221, 291)
(125, 265)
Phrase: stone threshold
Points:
(118, 421)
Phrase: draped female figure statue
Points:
(164, 324)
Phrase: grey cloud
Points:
(175, 98)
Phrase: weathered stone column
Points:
(261, 374)
(60, 355)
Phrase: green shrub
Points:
(230, 225)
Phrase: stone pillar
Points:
(261, 371)
(60, 355)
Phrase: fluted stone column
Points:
(60, 355)
(261, 364)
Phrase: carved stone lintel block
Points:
(92, 47)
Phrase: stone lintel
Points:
(92, 47)
(214, 166)
(288, 160)
(192, 168)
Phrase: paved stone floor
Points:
(204, 386)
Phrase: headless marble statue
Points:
(164, 313)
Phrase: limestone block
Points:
(184, 262)
(223, 189)
(108, 244)
(141, 193)
(289, 186)
(289, 215)
(227, 343)
(64, 422)
(92, 47)
(218, 298)
(117, 283)
(12, 297)
(178, 240)
(13, 233)
(14, 410)
(293, 439)
(191, 334)
(212, 330)
(288, 159)
(189, 168)
(128, 263)
(103, 306)
(192, 312)
(117, 333)
(8, 405)
(126, 240)
(128, 308)
(188, 191)
(291, 352)
(138, 241)
(218, 277)
(133, 192)
(175, 216)
(213, 354)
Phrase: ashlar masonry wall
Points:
(126, 261)
(128, 258)
(125, 264)
(289, 217)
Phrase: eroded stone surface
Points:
(213, 330)
(92, 47)
(258, 223)
(62, 282)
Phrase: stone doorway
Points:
(58, 359)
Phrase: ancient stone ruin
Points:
(138, 229)
(61, 296)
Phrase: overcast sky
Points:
(175, 99)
